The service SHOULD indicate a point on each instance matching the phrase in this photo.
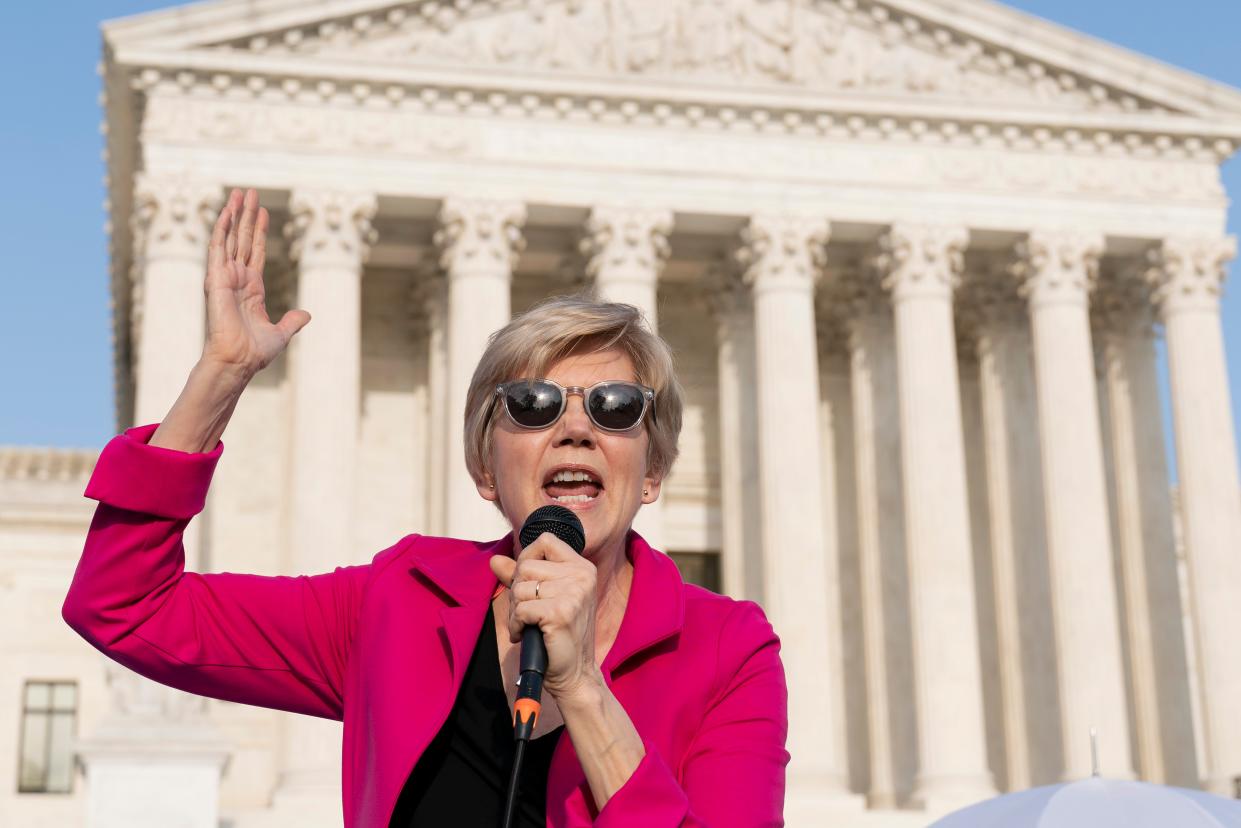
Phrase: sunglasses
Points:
(612, 405)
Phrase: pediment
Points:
(963, 51)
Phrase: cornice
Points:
(1013, 37)
(617, 101)
(44, 463)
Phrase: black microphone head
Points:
(558, 520)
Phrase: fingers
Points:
(245, 231)
(525, 590)
(531, 570)
(549, 547)
(234, 207)
(215, 249)
(502, 566)
(292, 322)
(258, 249)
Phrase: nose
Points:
(575, 427)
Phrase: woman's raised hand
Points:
(241, 339)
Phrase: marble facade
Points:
(913, 265)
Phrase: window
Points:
(701, 568)
(49, 720)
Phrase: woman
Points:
(673, 698)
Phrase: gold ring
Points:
(536, 588)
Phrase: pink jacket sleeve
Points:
(733, 774)
(279, 642)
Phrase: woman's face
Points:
(523, 463)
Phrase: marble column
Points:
(1056, 272)
(431, 301)
(479, 241)
(741, 566)
(173, 217)
(880, 539)
(921, 265)
(626, 248)
(1014, 490)
(155, 739)
(1187, 277)
(330, 234)
(1146, 548)
(782, 257)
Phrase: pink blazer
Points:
(383, 647)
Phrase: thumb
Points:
(503, 567)
(292, 322)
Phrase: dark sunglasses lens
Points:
(532, 404)
(616, 406)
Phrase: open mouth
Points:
(568, 487)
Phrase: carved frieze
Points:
(836, 45)
(544, 127)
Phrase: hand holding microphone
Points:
(561, 614)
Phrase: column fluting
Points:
(1056, 272)
(479, 242)
(921, 266)
(740, 508)
(1123, 320)
(626, 248)
(1188, 275)
(1014, 488)
(782, 257)
(329, 235)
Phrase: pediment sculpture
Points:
(827, 45)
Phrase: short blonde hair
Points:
(559, 327)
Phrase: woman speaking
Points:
(665, 704)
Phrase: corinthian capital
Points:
(628, 240)
(922, 259)
(1058, 266)
(1187, 272)
(173, 215)
(726, 297)
(480, 234)
(1122, 305)
(330, 227)
(783, 252)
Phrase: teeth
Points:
(572, 477)
(572, 498)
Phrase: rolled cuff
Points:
(651, 797)
(132, 474)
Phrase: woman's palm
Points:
(240, 336)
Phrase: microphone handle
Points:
(529, 682)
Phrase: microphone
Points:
(564, 524)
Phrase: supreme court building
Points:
(914, 257)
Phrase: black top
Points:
(462, 777)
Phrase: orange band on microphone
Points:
(529, 710)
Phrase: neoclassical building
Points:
(914, 257)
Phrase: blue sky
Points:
(55, 346)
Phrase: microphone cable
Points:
(565, 525)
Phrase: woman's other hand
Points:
(564, 610)
(241, 339)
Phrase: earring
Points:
(491, 485)
(645, 492)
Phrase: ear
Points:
(487, 487)
(650, 489)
